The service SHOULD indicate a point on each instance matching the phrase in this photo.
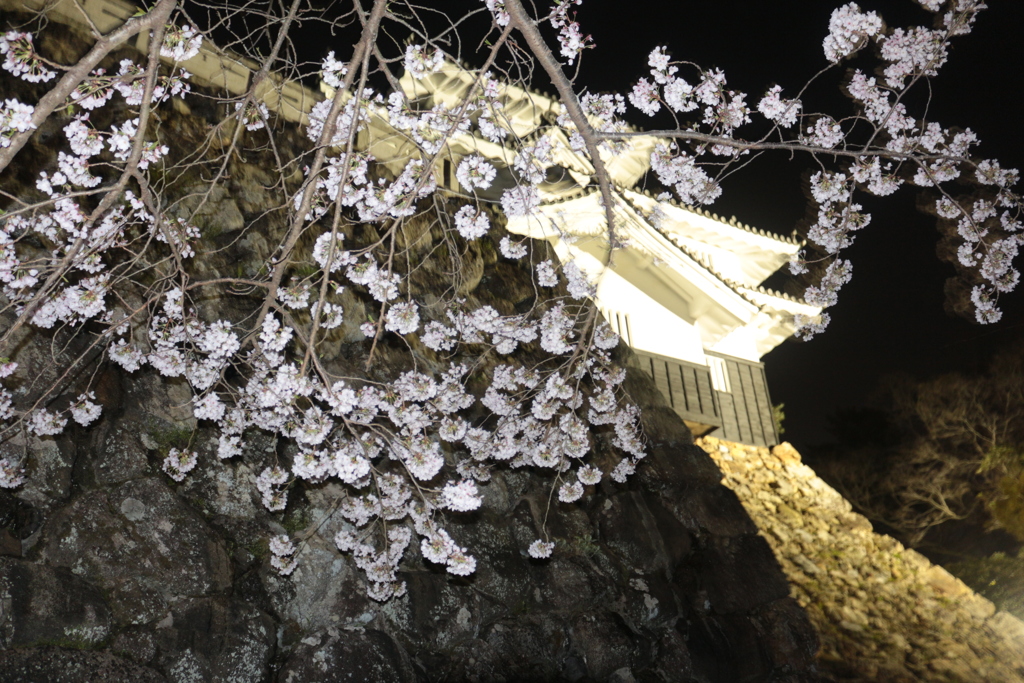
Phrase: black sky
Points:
(890, 317)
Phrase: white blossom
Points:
(177, 464)
(577, 283)
(824, 133)
(461, 497)
(7, 367)
(589, 475)
(475, 172)
(283, 551)
(570, 492)
(623, 470)
(646, 97)
(420, 62)
(403, 318)
(44, 423)
(546, 276)
(570, 38)
(228, 446)
(209, 407)
(21, 60)
(460, 563)
(520, 201)
(125, 355)
(181, 44)
(777, 110)
(438, 337)
(497, 8)
(270, 483)
(849, 28)
(333, 71)
(437, 546)
(472, 223)
(84, 411)
(254, 114)
(540, 550)
(85, 141)
(510, 249)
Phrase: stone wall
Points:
(883, 612)
(111, 571)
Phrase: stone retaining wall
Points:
(883, 612)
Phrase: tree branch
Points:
(160, 14)
(528, 27)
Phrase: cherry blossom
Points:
(282, 555)
(461, 497)
(774, 108)
(84, 411)
(519, 201)
(253, 115)
(21, 60)
(421, 62)
(402, 318)
(15, 117)
(475, 172)
(849, 28)
(472, 223)
(540, 550)
(570, 492)
(181, 44)
(45, 423)
(178, 464)
(497, 8)
(510, 249)
(546, 276)
(12, 475)
(570, 38)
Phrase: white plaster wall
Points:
(652, 327)
(740, 343)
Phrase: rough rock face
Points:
(883, 612)
(129, 576)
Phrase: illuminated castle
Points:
(685, 291)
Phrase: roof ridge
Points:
(733, 221)
(777, 294)
(731, 284)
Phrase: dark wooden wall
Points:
(740, 409)
(746, 409)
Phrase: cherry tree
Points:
(104, 251)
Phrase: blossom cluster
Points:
(15, 117)
(401, 436)
(570, 39)
(20, 58)
(181, 43)
(421, 62)
(603, 112)
(416, 447)
(282, 552)
(849, 29)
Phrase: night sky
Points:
(890, 318)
